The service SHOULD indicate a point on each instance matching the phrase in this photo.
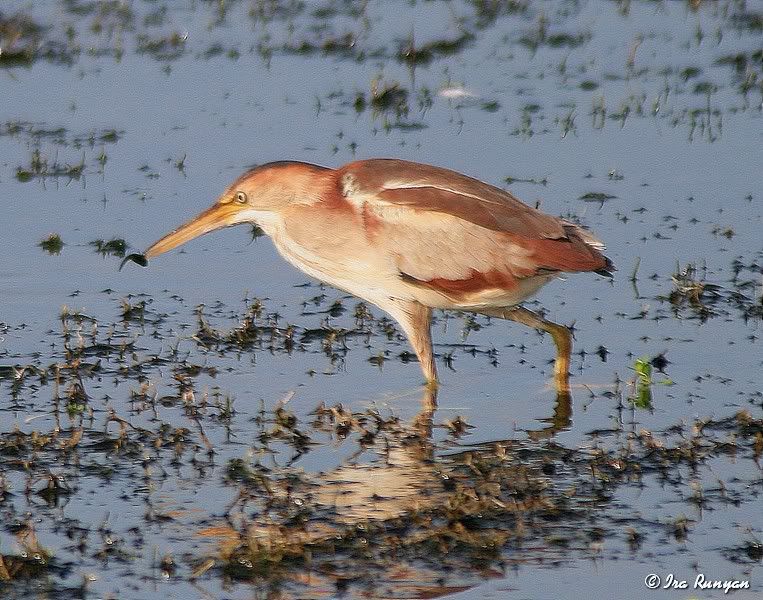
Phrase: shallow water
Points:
(120, 120)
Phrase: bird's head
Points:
(258, 196)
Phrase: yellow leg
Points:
(416, 319)
(560, 334)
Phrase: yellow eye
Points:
(241, 198)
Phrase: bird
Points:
(409, 238)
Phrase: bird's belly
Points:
(368, 277)
(372, 276)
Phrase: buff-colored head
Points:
(255, 197)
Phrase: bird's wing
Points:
(451, 231)
(433, 189)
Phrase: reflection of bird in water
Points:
(408, 478)
(409, 238)
(404, 481)
(383, 491)
(411, 522)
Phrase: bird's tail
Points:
(595, 244)
(608, 269)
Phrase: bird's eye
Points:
(241, 197)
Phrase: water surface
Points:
(135, 390)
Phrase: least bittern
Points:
(408, 238)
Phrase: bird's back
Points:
(380, 184)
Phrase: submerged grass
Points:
(53, 244)
(40, 167)
(692, 297)
(114, 247)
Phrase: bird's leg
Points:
(422, 423)
(416, 319)
(561, 421)
(561, 335)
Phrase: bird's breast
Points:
(331, 245)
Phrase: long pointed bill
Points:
(215, 217)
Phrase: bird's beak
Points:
(219, 215)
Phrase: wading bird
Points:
(408, 238)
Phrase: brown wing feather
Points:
(429, 188)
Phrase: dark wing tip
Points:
(139, 259)
(607, 270)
